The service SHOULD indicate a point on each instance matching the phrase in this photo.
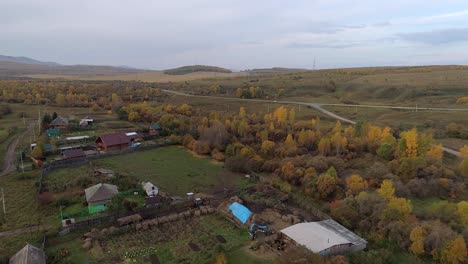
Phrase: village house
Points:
(150, 189)
(29, 254)
(86, 122)
(154, 129)
(53, 132)
(325, 237)
(112, 142)
(59, 122)
(73, 154)
(99, 196)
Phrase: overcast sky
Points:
(237, 34)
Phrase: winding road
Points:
(10, 157)
(319, 107)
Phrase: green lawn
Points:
(22, 208)
(9, 245)
(173, 169)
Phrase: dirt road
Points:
(10, 157)
(23, 230)
(318, 106)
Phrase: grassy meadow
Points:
(173, 169)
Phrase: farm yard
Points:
(161, 166)
(197, 240)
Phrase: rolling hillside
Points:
(9, 68)
(195, 68)
(26, 60)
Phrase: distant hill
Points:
(195, 68)
(274, 70)
(9, 68)
(27, 60)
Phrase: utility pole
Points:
(22, 164)
(3, 202)
(39, 120)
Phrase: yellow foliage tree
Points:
(242, 112)
(281, 115)
(221, 259)
(292, 115)
(462, 211)
(417, 236)
(455, 252)
(386, 189)
(268, 147)
(356, 184)
(398, 209)
(239, 92)
(464, 151)
(435, 153)
(324, 146)
(288, 170)
(411, 139)
(290, 142)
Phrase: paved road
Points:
(318, 106)
(10, 157)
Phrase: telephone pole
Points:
(3, 202)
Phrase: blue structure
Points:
(240, 212)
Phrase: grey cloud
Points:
(298, 45)
(437, 37)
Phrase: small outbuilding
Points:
(154, 129)
(240, 212)
(73, 154)
(29, 255)
(59, 122)
(325, 237)
(150, 189)
(113, 142)
(53, 132)
(86, 122)
(99, 196)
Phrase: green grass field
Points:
(173, 169)
(22, 209)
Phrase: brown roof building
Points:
(100, 193)
(29, 255)
(59, 122)
(73, 153)
(112, 142)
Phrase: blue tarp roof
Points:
(240, 212)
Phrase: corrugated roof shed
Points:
(240, 212)
(29, 255)
(319, 236)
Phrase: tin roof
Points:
(100, 191)
(319, 236)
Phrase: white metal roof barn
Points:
(325, 237)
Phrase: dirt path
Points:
(22, 230)
(10, 157)
(318, 106)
